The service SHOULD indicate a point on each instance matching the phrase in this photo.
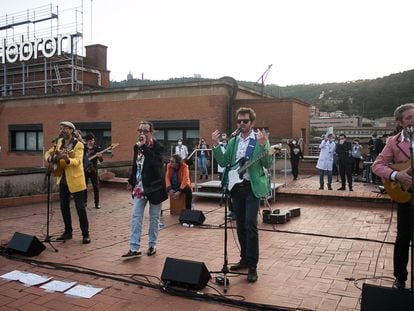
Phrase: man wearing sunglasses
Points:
(147, 184)
(246, 145)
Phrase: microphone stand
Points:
(48, 238)
(225, 197)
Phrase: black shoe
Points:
(85, 205)
(131, 254)
(152, 251)
(321, 188)
(252, 275)
(201, 177)
(398, 284)
(342, 188)
(86, 240)
(329, 188)
(239, 266)
(97, 206)
(65, 236)
(350, 189)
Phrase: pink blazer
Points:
(395, 151)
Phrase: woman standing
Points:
(295, 156)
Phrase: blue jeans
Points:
(202, 163)
(246, 208)
(321, 177)
(136, 224)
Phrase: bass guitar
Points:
(397, 191)
(88, 165)
(235, 173)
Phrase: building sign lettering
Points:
(27, 50)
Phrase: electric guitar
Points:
(88, 166)
(235, 173)
(397, 191)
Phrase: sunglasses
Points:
(144, 131)
(245, 121)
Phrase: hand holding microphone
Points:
(236, 132)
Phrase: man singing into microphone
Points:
(397, 150)
(147, 184)
(245, 195)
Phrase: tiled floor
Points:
(306, 263)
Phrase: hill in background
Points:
(370, 98)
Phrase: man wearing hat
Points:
(67, 157)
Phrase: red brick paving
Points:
(303, 263)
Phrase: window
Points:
(26, 137)
(174, 135)
(168, 132)
(101, 130)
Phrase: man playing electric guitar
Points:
(246, 194)
(68, 154)
(91, 167)
(397, 151)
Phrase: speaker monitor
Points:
(185, 273)
(376, 298)
(26, 245)
(192, 217)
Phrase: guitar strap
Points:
(250, 147)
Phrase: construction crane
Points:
(262, 78)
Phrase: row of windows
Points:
(29, 137)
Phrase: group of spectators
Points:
(345, 157)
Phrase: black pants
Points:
(356, 161)
(79, 198)
(246, 208)
(345, 169)
(402, 242)
(188, 197)
(295, 167)
(95, 184)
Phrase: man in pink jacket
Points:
(397, 150)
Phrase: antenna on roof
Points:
(263, 78)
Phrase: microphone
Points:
(56, 139)
(236, 132)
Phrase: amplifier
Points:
(294, 212)
(274, 218)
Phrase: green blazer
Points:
(259, 181)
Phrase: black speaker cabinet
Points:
(185, 273)
(294, 212)
(26, 245)
(376, 298)
(192, 217)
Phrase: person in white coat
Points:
(325, 161)
(181, 149)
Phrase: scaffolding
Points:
(61, 72)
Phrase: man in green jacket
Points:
(250, 148)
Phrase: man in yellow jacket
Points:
(65, 159)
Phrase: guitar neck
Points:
(244, 168)
(96, 154)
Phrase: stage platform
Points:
(212, 189)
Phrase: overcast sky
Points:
(306, 41)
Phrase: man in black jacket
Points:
(91, 167)
(345, 161)
(147, 184)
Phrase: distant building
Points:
(322, 123)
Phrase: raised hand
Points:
(262, 137)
